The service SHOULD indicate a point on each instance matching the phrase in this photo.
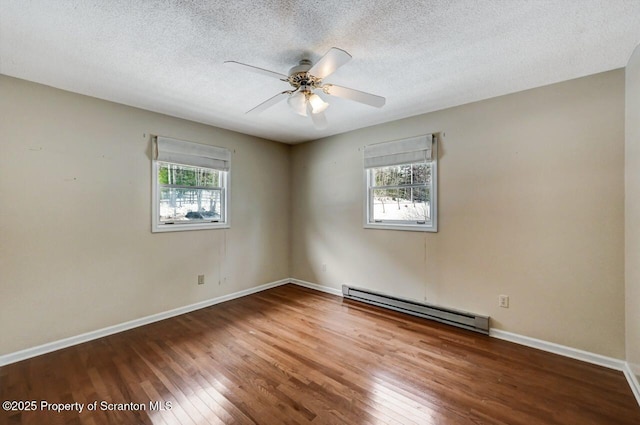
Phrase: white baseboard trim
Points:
(633, 381)
(110, 330)
(321, 288)
(562, 350)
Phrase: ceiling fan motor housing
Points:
(303, 66)
(299, 76)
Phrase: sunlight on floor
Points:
(391, 401)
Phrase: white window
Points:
(401, 184)
(190, 186)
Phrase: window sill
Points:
(405, 227)
(186, 227)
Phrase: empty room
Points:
(305, 212)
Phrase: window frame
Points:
(158, 226)
(406, 225)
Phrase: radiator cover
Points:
(461, 319)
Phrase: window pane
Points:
(190, 204)
(389, 176)
(183, 175)
(398, 175)
(410, 204)
(421, 173)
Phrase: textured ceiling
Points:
(167, 56)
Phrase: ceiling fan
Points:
(306, 82)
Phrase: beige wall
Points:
(76, 250)
(632, 210)
(531, 204)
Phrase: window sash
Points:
(371, 206)
(405, 222)
(383, 173)
(191, 221)
(177, 186)
(402, 186)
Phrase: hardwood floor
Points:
(291, 355)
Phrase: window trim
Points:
(158, 227)
(412, 226)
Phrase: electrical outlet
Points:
(503, 301)
(200, 279)
(324, 267)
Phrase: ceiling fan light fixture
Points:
(317, 104)
(298, 102)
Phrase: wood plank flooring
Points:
(291, 355)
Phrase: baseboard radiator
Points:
(461, 319)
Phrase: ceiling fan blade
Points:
(251, 68)
(319, 118)
(356, 95)
(269, 103)
(331, 61)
